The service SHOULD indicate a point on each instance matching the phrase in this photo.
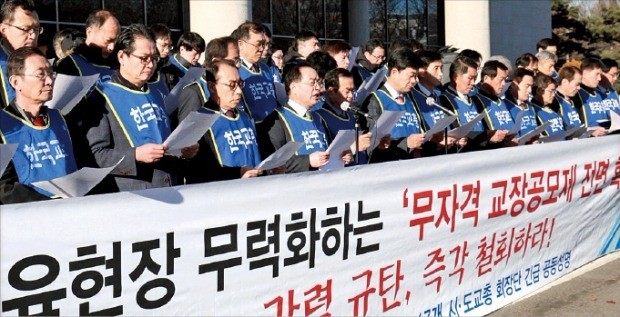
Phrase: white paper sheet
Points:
(570, 133)
(384, 125)
(463, 130)
(279, 157)
(69, 90)
(370, 84)
(341, 143)
(189, 131)
(615, 122)
(439, 126)
(76, 184)
(281, 95)
(586, 134)
(534, 133)
(172, 100)
(352, 54)
(517, 127)
(6, 155)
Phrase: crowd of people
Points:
(124, 117)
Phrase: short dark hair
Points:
(608, 64)
(400, 44)
(267, 31)
(372, 44)
(213, 67)
(126, 40)
(336, 46)
(542, 81)
(428, 57)
(474, 55)
(218, 48)
(191, 41)
(242, 32)
(322, 62)
(98, 18)
(17, 60)
(490, 69)
(404, 58)
(518, 74)
(9, 7)
(591, 63)
(160, 30)
(304, 35)
(332, 78)
(461, 64)
(293, 75)
(568, 72)
(525, 59)
(546, 42)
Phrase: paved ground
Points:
(592, 290)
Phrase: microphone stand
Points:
(357, 137)
(445, 139)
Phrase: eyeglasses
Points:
(234, 84)
(551, 91)
(145, 60)
(164, 46)
(381, 58)
(34, 30)
(42, 75)
(261, 46)
(315, 83)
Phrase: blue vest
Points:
(409, 123)
(44, 153)
(363, 72)
(593, 109)
(142, 115)
(8, 91)
(202, 86)
(466, 111)
(234, 140)
(546, 114)
(319, 104)
(159, 84)
(497, 113)
(310, 132)
(86, 68)
(174, 61)
(429, 113)
(259, 93)
(569, 113)
(529, 121)
(335, 123)
(276, 77)
(610, 100)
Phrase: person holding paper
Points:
(229, 149)
(544, 94)
(259, 93)
(407, 136)
(128, 119)
(95, 55)
(516, 99)
(569, 82)
(606, 87)
(456, 97)
(295, 122)
(20, 28)
(369, 59)
(589, 100)
(44, 148)
(339, 86)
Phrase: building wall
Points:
(467, 25)
(217, 18)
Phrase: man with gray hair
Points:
(546, 63)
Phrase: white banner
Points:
(448, 235)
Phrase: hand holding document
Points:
(517, 127)
(172, 100)
(463, 130)
(615, 122)
(341, 143)
(189, 131)
(69, 90)
(76, 184)
(439, 126)
(534, 133)
(384, 125)
(6, 155)
(279, 157)
(568, 134)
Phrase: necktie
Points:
(400, 99)
(254, 68)
(38, 121)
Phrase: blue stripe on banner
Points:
(614, 235)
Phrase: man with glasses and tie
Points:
(126, 120)
(44, 149)
(259, 96)
(20, 28)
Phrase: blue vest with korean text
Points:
(86, 68)
(497, 113)
(160, 85)
(466, 110)
(259, 94)
(234, 140)
(593, 109)
(9, 92)
(569, 113)
(174, 61)
(429, 113)
(43, 153)
(547, 115)
(529, 121)
(409, 123)
(335, 123)
(308, 131)
(142, 115)
(610, 100)
(276, 77)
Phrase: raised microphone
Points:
(347, 106)
(431, 102)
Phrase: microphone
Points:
(347, 106)
(431, 102)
